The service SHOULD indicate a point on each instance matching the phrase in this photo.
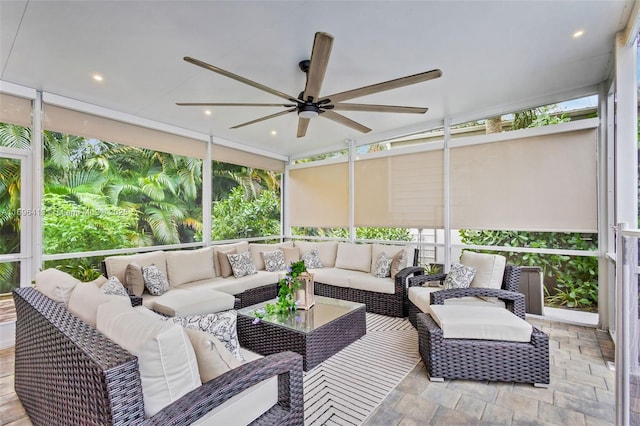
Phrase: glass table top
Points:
(322, 312)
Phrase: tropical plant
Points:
(286, 301)
(241, 216)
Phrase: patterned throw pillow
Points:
(459, 276)
(312, 259)
(154, 280)
(114, 287)
(222, 325)
(274, 260)
(382, 268)
(241, 264)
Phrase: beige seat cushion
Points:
(366, 281)
(477, 322)
(167, 361)
(327, 250)
(256, 252)
(234, 285)
(489, 268)
(355, 257)
(240, 247)
(421, 297)
(181, 302)
(184, 266)
(85, 299)
(214, 359)
(56, 285)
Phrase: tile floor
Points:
(581, 390)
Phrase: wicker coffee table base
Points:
(483, 359)
(315, 347)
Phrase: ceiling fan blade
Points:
(303, 124)
(318, 65)
(232, 104)
(277, 114)
(380, 108)
(344, 121)
(240, 79)
(381, 87)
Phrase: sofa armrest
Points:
(419, 280)
(197, 403)
(400, 283)
(513, 301)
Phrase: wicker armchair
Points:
(67, 373)
(508, 293)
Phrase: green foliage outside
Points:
(382, 234)
(240, 215)
(569, 281)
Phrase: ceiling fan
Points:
(309, 104)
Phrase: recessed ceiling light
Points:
(578, 34)
(273, 133)
(98, 77)
(207, 112)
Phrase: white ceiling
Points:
(493, 55)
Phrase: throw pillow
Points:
(154, 280)
(214, 359)
(274, 260)
(225, 266)
(241, 264)
(382, 267)
(221, 325)
(312, 259)
(399, 263)
(459, 276)
(291, 254)
(114, 287)
(133, 279)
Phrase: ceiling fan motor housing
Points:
(308, 110)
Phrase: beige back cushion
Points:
(291, 254)
(189, 265)
(489, 268)
(167, 361)
(389, 250)
(327, 250)
(85, 299)
(240, 247)
(213, 357)
(356, 257)
(117, 265)
(56, 285)
(257, 249)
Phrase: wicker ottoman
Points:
(479, 359)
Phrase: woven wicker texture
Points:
(482, 359)
(377, 303)
(509, 293)
(315, 346)
(67, 373)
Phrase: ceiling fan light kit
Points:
(309, 104)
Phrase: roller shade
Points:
(15, 110)
(402, 191)
(544, 183)
(77, 123)
(319, 196)
(244, 158)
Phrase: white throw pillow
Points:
(166, 359)
(154, 280)
(489, 268)
(239, 247)
(212, 356)
(356, 257)
(382, 268)
(241, 264)
(185, 266)
(312, 260)
(114, 287)
(460, 276)
(56, 285)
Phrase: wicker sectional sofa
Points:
(67, 372)
(199, 284)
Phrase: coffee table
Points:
(316, 334)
